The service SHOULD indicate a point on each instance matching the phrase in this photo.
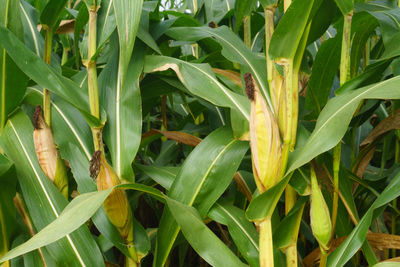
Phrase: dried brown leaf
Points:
(180, 137)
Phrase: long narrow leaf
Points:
(202, 239)
(72, 218)
(196, 77)
(233, 49)
(200, 182)
(12, 80)
(35, 68)
(46, 204)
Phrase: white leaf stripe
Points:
(255, 73)
(212, 165)
(190, 203)
(110, 4)
(316, 133)
(223, 89)
(252, 241)
(31, 27)
(53, 208)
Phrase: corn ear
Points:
(321, 224)
(47, 153)
(265, 140)
(116, 205)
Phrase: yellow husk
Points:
(116, 205)
(321, 224)
(47, 153)
(265, 142)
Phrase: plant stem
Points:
(345, 52)
(287, 126)
(336, 167)
(269, 30)
(92, 77)
(266, 245)
(295, 107)
(247, 30)
(20, 206)
(344, 73)
(324, 257)
(394, 202)
(46, 93)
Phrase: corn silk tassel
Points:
(47, 153)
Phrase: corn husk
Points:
(47, 153)
(321, 224)
(265, 140)
(116, 205)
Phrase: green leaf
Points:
(356, 238)
(335, 117)
(123, 105)
(80, 22)
(322, 20)
(33, 39)
(202, 239)
(363, 25)
(200, 182)
(325, 67)
(216, 10)
(51, 12)
(12, 80)
(105, 22)
(288, 33)
(52, 233)
(163, 175)
(46, 203)
(44, 75)
(74, 138)
(242, 9)
(243, 232)
(233, 49)
(264, 204)
(194, 77)
(8, 220)
(386, 264)
(288, 230)
(345, 6)
(72, 218)
(268, 3)
(127, 16)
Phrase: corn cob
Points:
(116, 205)
(47, 153)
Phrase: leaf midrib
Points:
(45, 191)
(316, 133)
(239, 225)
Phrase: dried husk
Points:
(116, 205)
(265, 140)
(47, 153)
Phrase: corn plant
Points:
(199, 132)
